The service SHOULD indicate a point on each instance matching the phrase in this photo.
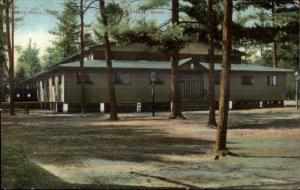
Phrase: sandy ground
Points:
(143, 151)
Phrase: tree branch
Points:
(88, 6)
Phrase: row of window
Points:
(249, 80)
(122, 78)
(159, 78)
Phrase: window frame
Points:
(270, 80)
(243, 83)
(161, 76)
(88, 78)
(119, 81)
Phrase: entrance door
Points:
(191, 85)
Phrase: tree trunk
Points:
(11, 70)
(82, 73)
(212, 114)
(176, 99)
(108, 57)
(2, 57)
(225, 79)
(13, 31)
(274, 44)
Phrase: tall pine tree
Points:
(2, 55)
(225, 79)
(108, 57)
(274, 8)
(81, 7)
(208, 16)
(176, 99)
(66, 35)
(10, 50)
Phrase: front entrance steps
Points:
(194, 103)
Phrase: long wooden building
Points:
(59, 86)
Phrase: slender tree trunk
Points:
(176, 97)
(274, 44)
(11, 70)
(13, 31)
(108, 56)
(82, 73)
(212, 112)
(225, 79)
(2, 57)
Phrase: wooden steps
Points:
(194, 104)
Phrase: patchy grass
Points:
(87, 151)
(19, 173)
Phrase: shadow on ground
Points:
(268, 124)
(17, 172)
(67, 141)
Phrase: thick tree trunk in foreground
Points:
(212, 109)
(81, 69)
(176, 99)
(11, 70)
(108, 56)
(274, 44)
(225, 79)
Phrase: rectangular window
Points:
(157, 78)
(122, 78)
(88, 78)
(272, 80)
(247, 80)
(217, 78)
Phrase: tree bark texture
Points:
(176, 98)
(108, 57)
(81, 69)
(225, 79)
(2, 56)
(212, 111)
(11, 70)
(274, 44)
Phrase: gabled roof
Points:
(247, 67)
(87, 49)
(144, 48)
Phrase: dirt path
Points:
(146, 152)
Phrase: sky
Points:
(37, 21)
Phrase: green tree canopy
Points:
(66, 29)
(66, 36)
(29, 62)
(117, 19)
